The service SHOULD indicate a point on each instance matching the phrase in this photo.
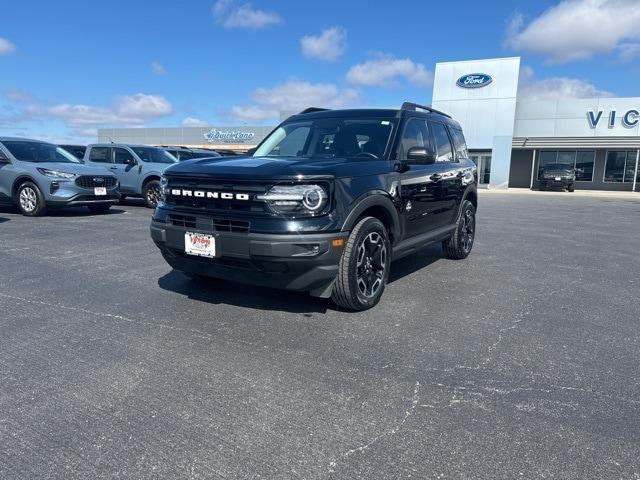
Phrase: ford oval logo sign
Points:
(474, 80)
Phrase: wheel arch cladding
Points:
(472, 196)
(149, 178)
(380, 207)
(19, 181)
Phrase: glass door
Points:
(483, 162)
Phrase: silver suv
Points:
(36, 175)
(138, 167)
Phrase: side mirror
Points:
(4, 158)
(421, 155)
(130, 161)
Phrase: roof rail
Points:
(415, 106)
(313, 109)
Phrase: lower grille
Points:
(209, 224)
(86, 181)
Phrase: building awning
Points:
(576, 142)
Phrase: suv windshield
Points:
(39, 152)
(154, 155)
(329, 138)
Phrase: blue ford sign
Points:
(474, 80)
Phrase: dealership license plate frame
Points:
(207, 247)
(100, 191)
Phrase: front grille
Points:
(217, 204)
(209, 224)
(87, 181)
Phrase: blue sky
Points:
(69, 67)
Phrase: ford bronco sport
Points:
(324, 203)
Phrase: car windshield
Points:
(558, 166)
(329, 138)
(39, 152)
(154, 155)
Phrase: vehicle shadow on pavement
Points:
(230, 293)
(82, 212)
(3, 219)
(414, 262)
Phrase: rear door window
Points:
(444, 151)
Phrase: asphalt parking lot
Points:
(520, 362)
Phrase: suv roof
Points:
(121, 145)
(407, 109)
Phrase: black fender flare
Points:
(19, 181)
(470, 191)
(378, 199)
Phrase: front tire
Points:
(571, 188)
(99, 208)
(151, 193)
(30, 200)
(364, 266)
(459, 245)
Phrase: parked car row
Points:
(36, 175)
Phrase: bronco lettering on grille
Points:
(178, 192)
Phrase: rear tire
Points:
(151, 193)
(99, 207)
(459, 245)
(30, 200)
(364, 266)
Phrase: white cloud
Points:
(329, 45)
(194, 122)
(128, 110)
(629, 51)
(6, 47)
(555, 88)
(386, 70)
(244, 16)
(157, 68)
(293, 95)
(576, 29)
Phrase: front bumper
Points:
(61, 194)
(297, 261)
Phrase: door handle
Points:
(113, 168)
(436, 177)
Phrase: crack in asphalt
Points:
(388, 433)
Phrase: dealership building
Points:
(509, 138)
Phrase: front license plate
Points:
(200, 244)
(99, 191)
(558, 179)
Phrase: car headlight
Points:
(296, 199)
(164, 188)
(56, 174)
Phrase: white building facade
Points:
(511, 138)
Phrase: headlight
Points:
(296, 199)
(56, 174)
(164, 188)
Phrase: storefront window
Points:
(620, 166)
(582, 161)
(584, 165)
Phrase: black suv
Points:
(559, 175)
(324, 204)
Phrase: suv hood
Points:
(274, 167)
(77, 168)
